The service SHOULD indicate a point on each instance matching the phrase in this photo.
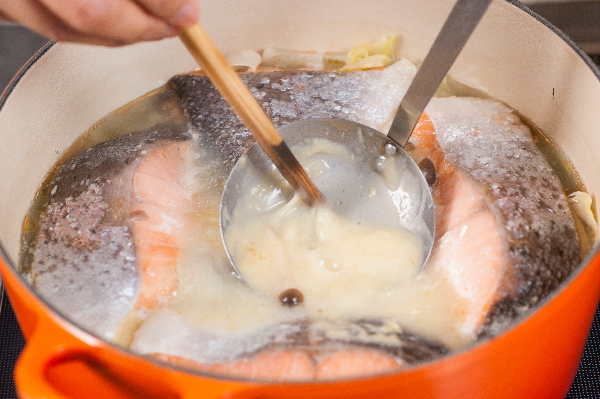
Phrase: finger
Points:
(122, 21)
(5, 17)
(39, 19)
(179, 13)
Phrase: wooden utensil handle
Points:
(233, 90)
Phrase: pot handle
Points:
(57, 365)
(46, 349)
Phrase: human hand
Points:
(105, 22)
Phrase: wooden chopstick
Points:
(233, 90)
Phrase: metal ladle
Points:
(368, 144)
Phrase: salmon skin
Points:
(77, 258)
(385, 335)
(312, 336)
(285, 96)
(289, 96)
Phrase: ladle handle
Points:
(233, 90)
(457, 29)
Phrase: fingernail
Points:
(187, 15)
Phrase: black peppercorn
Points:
(291, 297)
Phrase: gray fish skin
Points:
(539, 230)
(368, 97)
(84, 268)
(315, 337)
(285, 96)
(385, 335)
(180, 338)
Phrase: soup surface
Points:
(125, 240)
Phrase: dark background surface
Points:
(17, 45)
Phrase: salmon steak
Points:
(129, 246)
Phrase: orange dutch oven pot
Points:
(513, 56)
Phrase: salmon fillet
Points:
(489, 144)
(84, 262)
(160, 201)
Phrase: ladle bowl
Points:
(411, 209)
(403, 202)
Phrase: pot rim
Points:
(478, 344)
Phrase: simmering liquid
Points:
(214, 309)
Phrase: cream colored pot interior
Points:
(512, 57)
